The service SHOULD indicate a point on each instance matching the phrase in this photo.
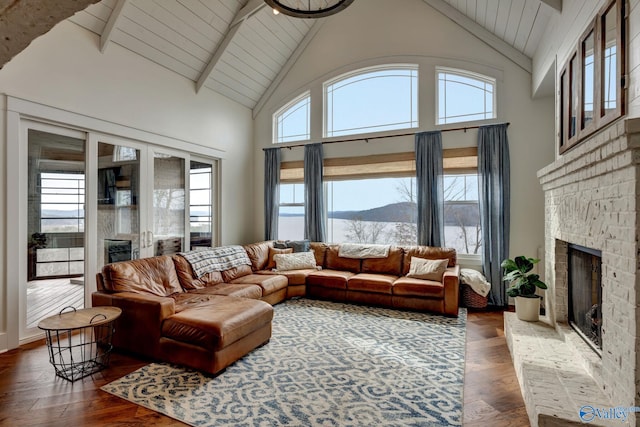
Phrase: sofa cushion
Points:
(367, 282)
(258, 254)
(218, 323)
(271, 263)
(187, 300)
(231, 274)
(319, 251)
(269, 284)
(329, 279)
(408, 286)
(335, 262)
(428, 269)
(187, 277)
(231, 290)
(294, 277)
(427, 252)
(155, 276)
(392, 264)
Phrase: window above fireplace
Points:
(592, 82)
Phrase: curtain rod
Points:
(366, 139)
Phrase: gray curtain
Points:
(494, 188)
(429, 187)
(314, 214)
(272, 158)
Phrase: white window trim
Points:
(469, 74)
(274, 118)
(365, 70)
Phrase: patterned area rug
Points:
(327, 364)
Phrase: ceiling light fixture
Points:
(308, 8)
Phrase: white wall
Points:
(65, 69)
(379, 31)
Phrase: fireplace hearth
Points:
(585, 294)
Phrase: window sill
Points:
(469, 260)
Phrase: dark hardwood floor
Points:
(31, 395)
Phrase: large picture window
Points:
(592, 86)
(372, 100)
(462, 214)
(464, 96)
(377, 210)
(373, 199)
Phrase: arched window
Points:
(464, 96)
(372, 100)
(291, 122)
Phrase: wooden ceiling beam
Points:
(111, 25)
(556, 4)
(510, 52)
(241, 17)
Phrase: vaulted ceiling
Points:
(240, 49)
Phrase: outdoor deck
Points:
(48, 297)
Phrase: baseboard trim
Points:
(4, 342)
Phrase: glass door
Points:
(202, 206)
(118, 216)
(55, 267)
(168, 214)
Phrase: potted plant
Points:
(523, 286)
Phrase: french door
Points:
(94, 199)
(141, 201)
(52, 266)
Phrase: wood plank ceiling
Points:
(240, 49)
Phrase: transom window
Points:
(464, 96)
(372, 100)
(291, 122)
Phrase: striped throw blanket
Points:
(216, 259)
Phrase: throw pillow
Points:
(296, 245)
(271, 264)
(427, 269)
(299, 245)
(280, 244)
(295, 261)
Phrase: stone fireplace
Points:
(591, 200)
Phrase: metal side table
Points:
(79, 341)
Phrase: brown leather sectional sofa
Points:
(207, 323)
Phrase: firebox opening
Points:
(585, 294)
